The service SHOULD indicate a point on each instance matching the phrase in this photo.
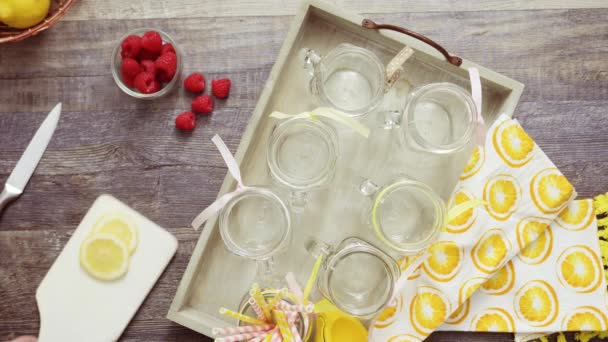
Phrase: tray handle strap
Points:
(370, 24)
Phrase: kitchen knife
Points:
(29, 160)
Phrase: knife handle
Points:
(8, 194)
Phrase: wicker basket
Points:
(58, 9)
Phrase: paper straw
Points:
(458, 209)
(311, 279)
(268, 338)
(240, 317)
(260, 338)
(256, 308)
(240, 337)
(242, 330)
(277, 298)
(293, 286)
(256, 294)
(276, 337)
(284, 328)
(299, 308)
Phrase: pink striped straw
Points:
(294, 287)
(296, 334)
(259, 338)
(258, 310)
(276, 337)
(299, 308)
(240, 337)
(241, 330)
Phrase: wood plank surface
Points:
(107, 142)
(154, 9)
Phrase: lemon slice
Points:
(119, 226)
(104, 256)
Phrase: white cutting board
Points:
(74, 307)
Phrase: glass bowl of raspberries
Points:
(146, 63)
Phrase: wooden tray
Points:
(216, 278)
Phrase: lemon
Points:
(121, 227)
(23, 13)
(104, 256)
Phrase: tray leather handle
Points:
(370, 24)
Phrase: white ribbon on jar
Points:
(480, 125)
(233, 168)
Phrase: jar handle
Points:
(370, 24)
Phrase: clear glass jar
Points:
(117, 62)
(302, 155)
(349, 78)
(437, 118)
(356, 276)
(256, 224)
(405, 214)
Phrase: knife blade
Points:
(26, 165)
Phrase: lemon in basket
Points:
(121, 227)
(22, 14)
(104, 256)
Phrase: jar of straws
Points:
(269, 315)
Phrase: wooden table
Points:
(108, 142)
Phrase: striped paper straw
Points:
(281, 320)
(277, 298)
(256, 294)
(243, 329)
(298, 307)
(293, 286)
(276, 337)
(240, 337)
(269, 337)
(260, 338)
(257, 309)
(240, 317)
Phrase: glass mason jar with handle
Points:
(349, 78)
(302, 155)
(356, 276)
(405, 214)
(256, 224)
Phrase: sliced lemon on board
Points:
(104, 256)
(119, 226)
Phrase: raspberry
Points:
(147, 55)
(167, 47)
(130, 46)
(195, 82)
(221, 88)
(152, 42)
(146, 83)
(148, 66)
(202, 104)
(186, 121)
(166, 65)
(129, 69)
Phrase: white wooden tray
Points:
(216, 278)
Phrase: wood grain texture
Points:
(149, 9)
(108, 142)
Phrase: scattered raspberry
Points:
(130, 46)
(221, 88)
(166, 65)
(146, 83)
(195, 82)
(129, 69)
(152, 42)
(148, 66)
(186, 121)
(202, 104)
(167, 47)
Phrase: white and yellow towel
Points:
(524, 191)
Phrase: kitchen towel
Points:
(521, 187)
